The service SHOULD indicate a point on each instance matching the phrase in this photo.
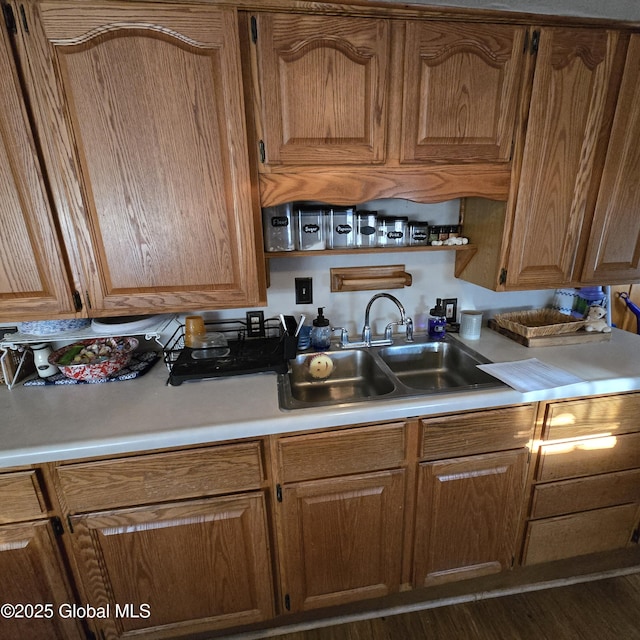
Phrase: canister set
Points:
(295, 227)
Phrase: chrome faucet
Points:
(388, 339)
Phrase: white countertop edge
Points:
(308, 419)
(124, 419)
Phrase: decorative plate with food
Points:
(94, 358)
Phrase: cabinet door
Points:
(145, 133)
(33, 280)
(189, 567)
(323, 85)
(467, 516)
(461, 86)
(613, 255)
(569, 92)
(342, 538)
(32, 575)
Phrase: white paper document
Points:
(530, 375)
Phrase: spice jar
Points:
(418, 233)
(311, 232)
(341, 228)
(366, 229)
(392, 231)
(277, 224)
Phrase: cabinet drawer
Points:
(21, 497)
(159, 477)
(580, 533)
(588, 456)
(592, 416)
(358, 450)
(477, 432)
(582, 494)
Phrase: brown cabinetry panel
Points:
(33, 278)
(156, 477)
(323, 87)
(192, 566)
(606, 415)
(21, 497)
(583, 494)
(572, 75)
(613, 254)
(477, 432)
(143, 104)
(342, 538)
(580, 533)
(32, 574)
(461, 85)
(342, 452)
(467, 516)
(589, 456)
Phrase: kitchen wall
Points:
(432, 273)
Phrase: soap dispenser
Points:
(321, 332)
(437, 321)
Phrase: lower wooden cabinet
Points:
(171, 543)
(586, 493)
(186, 542)
(467, 516)
(581, 533)
(184, 566)
(33, 580)
(342, 538)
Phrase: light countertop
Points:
(44, 424)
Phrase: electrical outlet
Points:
(255, 324)
(304, 291)
(450, 309)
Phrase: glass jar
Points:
(392, 231)
(418, 234)
(341, 231)
(311, 231)
(278, 227)
(366, 229)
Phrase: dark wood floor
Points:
(602, 610)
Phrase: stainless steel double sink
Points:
(389, 372)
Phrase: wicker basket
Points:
(538, 322)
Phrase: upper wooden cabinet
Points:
(572, 218)
(324, 86)
(349, 109)
(461, 86)
(141, 115)
(33, 277)
(570, 89)
(613, 253)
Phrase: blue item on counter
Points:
(437, 321)
(304, 337)
(588, 296)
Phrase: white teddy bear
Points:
(595, 319)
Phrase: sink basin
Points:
(356, 376)
(399, 371)
(436, 366)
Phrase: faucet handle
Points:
(409, 329)
(344, 336)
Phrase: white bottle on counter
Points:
(41, 353)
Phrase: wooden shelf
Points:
(351, 252)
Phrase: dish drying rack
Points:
(249, 351)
